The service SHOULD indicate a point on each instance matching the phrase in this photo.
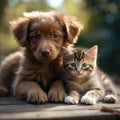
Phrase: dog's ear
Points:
(73, 29)
(19, 29)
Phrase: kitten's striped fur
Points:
(84, 81)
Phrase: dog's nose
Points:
(45, 53)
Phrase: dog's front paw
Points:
(88, 100)
(110, 99)
(71, 100)
(56, 96)
(3, 91)
(37, 96)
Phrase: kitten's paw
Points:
(110, 99)
(88, 100)
(71, 100)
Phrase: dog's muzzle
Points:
(45, 53)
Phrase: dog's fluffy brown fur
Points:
(39, 67)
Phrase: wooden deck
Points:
(11, 108)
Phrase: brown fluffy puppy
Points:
(42, 35)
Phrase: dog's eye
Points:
(36, 37)
(55, 36)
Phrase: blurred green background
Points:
(101, 20)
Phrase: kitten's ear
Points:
(93, 51)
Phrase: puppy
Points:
(38, 69)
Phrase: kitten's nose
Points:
(78, 71)
(45, 53)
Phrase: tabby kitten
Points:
(84, 82)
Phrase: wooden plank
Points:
(10, 101)
(59, 115)
(52, 107)
(50, 111)
(12, 108)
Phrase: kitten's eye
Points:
(55, 36)
(36, 37)
(73, 65)
(85, 65)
